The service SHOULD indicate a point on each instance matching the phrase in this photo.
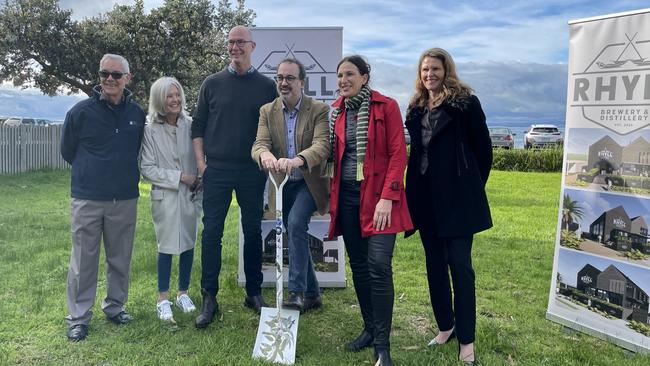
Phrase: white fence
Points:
(25, 148)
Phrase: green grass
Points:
(512, 261)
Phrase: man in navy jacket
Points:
(101, 140)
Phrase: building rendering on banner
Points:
(324, 253)
(611, 158)
(615, 229)
(610, 291)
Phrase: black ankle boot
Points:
(362, 341)
(208, 309)
(383, 356)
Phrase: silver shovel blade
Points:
(277, 335)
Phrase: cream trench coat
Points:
(166, 151)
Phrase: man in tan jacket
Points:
(293, 138)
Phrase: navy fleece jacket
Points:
(102, 142)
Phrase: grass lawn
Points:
(512, 261)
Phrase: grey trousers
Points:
(114, 221)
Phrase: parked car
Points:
(17, 121)
(543, 136)
(502, 137)
(407, 136)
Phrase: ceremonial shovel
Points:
(278, 330)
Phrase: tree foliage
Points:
(42, 46)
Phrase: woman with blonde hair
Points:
(167, 161)
(449, 164)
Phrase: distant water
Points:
(519, 130)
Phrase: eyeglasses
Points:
(289, 79)
(238, 42)
(115, 74)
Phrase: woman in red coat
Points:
(367, 199)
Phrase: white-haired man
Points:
(101, 140)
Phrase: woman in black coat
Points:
(449, 164)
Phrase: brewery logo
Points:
(619, 223)
(586, 279)
(613, 90)
(319, 83)
(605, 154)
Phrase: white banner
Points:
(601, 269)
(320, 50)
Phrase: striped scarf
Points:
(361, 102)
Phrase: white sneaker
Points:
(165, 310)
(185, 303)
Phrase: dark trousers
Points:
(184, 270)
(444, 256)
(372, 271)
(218, 185)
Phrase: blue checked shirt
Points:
(290, 121)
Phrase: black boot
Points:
(208, 309)
(383, 357)
(295, 301)
(362, 341)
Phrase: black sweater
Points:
(227, 115)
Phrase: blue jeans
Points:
(184, 270)
(297, 207)
(218, 184)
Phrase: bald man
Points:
(223, 132)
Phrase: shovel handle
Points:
(275, 184)
(279, 283)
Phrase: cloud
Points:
(32, 103)
(510, 92)
(397, 31)
(513, 54)
(86, 9)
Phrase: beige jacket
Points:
(312, 143)
(166, 151)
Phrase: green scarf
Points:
(361, 102)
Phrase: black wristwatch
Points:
(304, 161)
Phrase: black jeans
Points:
(444, 256)
(372, 271)
(218, 185)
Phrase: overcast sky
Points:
(514, 54)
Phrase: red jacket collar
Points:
(375, 97)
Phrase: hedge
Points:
(528, 160)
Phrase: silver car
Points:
(17, 121)
(502, 137)
(543, 136)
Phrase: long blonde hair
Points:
(452, 87)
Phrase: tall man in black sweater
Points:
(223, 132)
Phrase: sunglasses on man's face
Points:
(115, 74)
